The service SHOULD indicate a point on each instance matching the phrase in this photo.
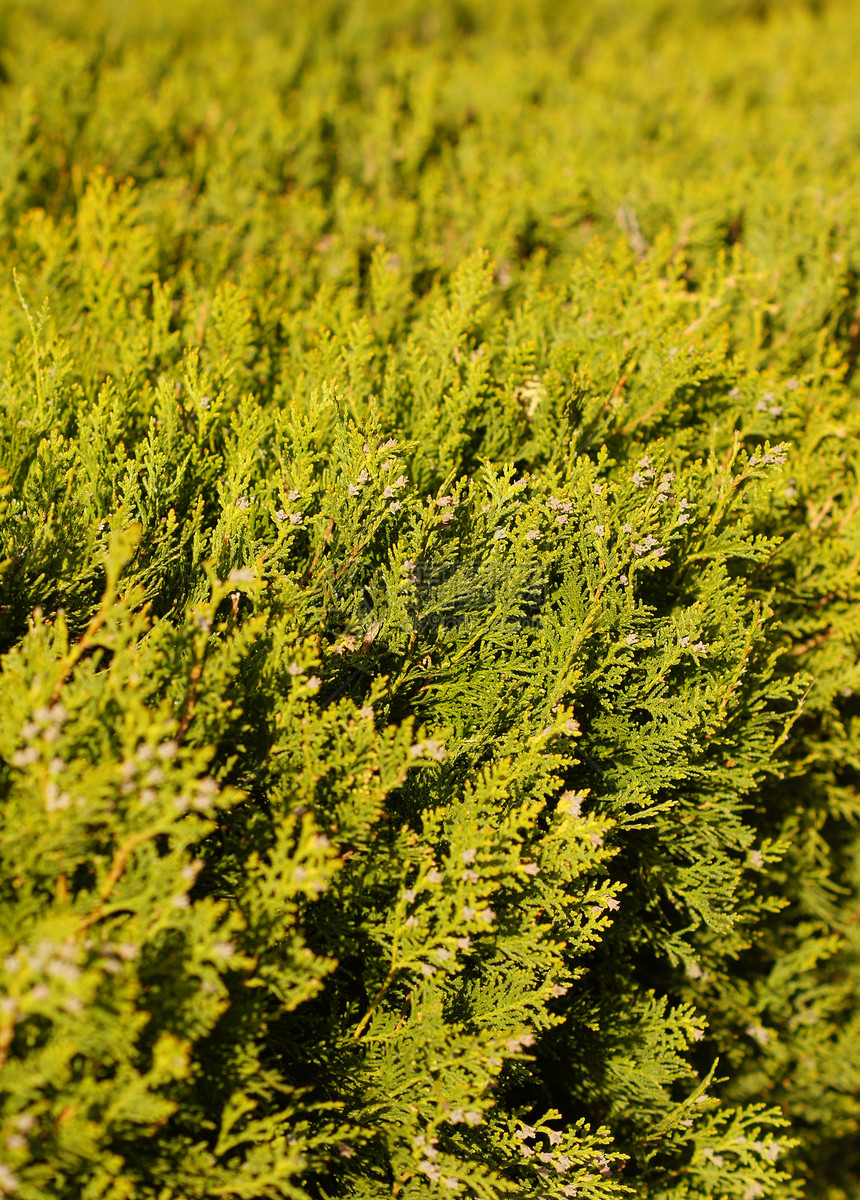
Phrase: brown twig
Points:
(84, 642)
(616, 391)
(118, 865)
(196, 672)
(6, 1035)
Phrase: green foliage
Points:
(429, 600)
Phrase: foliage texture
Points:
(429, 550)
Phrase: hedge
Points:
(429, 600)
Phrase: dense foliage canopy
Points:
(429, 589)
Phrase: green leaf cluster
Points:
(429, 549)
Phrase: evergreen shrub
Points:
(428, 600)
